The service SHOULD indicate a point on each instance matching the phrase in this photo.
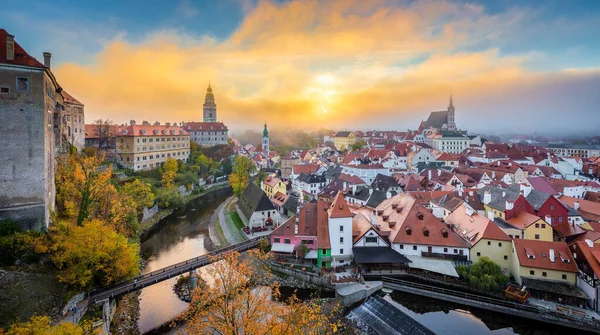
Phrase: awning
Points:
(282, 247)
(311, 255)
(433, 265)
(377, 255)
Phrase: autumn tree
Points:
(93, 253)
(168, 172)
(79, 181)
(40, 325)
(206, 165)
(357, 145)
(260, 177)
(240, 175)
(105, 131)
(234, 305)
(140, 192)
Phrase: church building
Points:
(440, 131)
(209, 132)
(265, 140)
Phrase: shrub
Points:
(171, 200)
(484, 275)
(8, 227)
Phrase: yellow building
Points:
(542, 260)
(145, 147)
(484, 237)
(526, 226)
(272, 185)
(343, 140)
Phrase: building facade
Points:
(70, 128)
(343, 140)
(145, 147)
(209, 132)
(30, 101)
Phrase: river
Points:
(180, 236)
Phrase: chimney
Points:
(370, 191)
(487, 197)
(157, 123)
(345, 185)
(10, 47)
(493, 174)
(47, 57)
(132, 122)
(548, 219)
(168, 124)
(262, 185)
(460, 192)
(509, 205)
(388, 194)
(503, 194)
(526, 190)
(374, 219)
(439, 172)
(471, 193)
(576, 205)
(429, 174)
(498, 163)
(353, 189)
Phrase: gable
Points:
(370, 234)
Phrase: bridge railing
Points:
(546, 313)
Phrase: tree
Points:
(206, 164)
(233, 305)
(40, 325)
(357, 145)
(169, 171)
(240, 175)
(141, 193)
(104, 130)
(484, 275)
(93, 253)
(79, 181)
(260, 177)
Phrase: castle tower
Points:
(265, 139)
(210, 108)
(450, 120)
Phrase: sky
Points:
(511, 66)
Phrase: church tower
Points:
(450, 120)
(265, 139)
(210, 108)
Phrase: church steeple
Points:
(265, 139)
(210, 107)
(450, 105)
(451, 125)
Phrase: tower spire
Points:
(451, 104)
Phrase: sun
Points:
(325, 79)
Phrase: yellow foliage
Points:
(40, 325)
(232, 305)
(169, 171)
(93, 251)
(140, 192)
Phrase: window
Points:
(309, 242)
(499, 244)
(371, 239)
(564, 277)
(341, 228)
(445, 249)
(287, 241)
(559, 219)
(544, 274)
(4, 90)
(505, 257)
(341, 251)
(544, 225)
(537, 236)
(531, 272)
(401, 246)
(408, 232)
(22, 84)
(489, 243)
(455, 251)
(341, 239)
(276, 240)
(537, 225)
(478, 254)
(414, 247)
(551, 207)
(461, 251)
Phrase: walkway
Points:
(232, 234)
(163, 274)
(492, 304)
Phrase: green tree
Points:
(93, 253)
(358, 145)
(207, 165)
(261, 176)
(40, 325)
(141, 193)
(240, 176)
(484, 275)
(168, 172)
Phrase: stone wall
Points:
(311, 278)
(150, 212)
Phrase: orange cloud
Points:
(383, 63)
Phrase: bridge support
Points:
(193, 283)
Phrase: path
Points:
(232, 234)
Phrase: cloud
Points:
(388, 66)
(186, 9)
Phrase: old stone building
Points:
(30, 100)
(209, 132)
(71, 124)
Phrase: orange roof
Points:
(279, 199)
(473, 227)
(150, 130)
(523, 220)
(322, 226)
(204, 126)
(339, 207)
(91, 130)
(591, 255)
(69, 99)
(305, 168)
(589, 210)
(360, 226)
(21, 57)
(271, 181)
(563, 260)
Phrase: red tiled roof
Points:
(568, 230)
(589, 210)
(591, 255)
(523, 220)
(305, 168)
(21, 56)
(543, 247)
(271, 181)
(322, 226)
(540, 184)
(339, 207)
(69, 98)
(279, 199)
(91, 130)
(204, 126)
(350, 179)
(150, 130)
(474, 227)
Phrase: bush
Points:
(171, 200)
(484, 275)
(9, 227)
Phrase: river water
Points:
(180, 236)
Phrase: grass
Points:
(220, 234)
(237, 221)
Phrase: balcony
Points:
(450, 257)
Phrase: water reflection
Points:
(178, 237)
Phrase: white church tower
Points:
(265, 139)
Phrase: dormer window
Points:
(143, 131)
(420, 216)
(444, 233)
(156, 131)
(125, 131)
(530, 254)
(425, 232)
(189, 127)
(408, 231)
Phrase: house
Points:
(527, 226)
(567, 232)
(483, 236)
(587, 257)
(287, 162)
(279, 199)
(414, 231)
(450, 160)
(308, 183)
(386, 183)
(256, 209)
(301, 228)
(541, 184)
(366, 172)
(343, 140)
(420, 156)
(272, 185)
(302, 168)
(443, 206)
(589, 210)
(335, 235)
(290, 206)
(547, 269)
